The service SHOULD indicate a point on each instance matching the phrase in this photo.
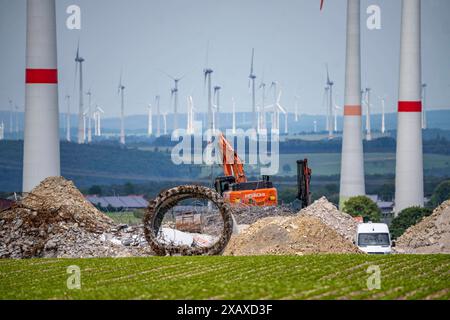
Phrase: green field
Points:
(325, 164)
(265, 277)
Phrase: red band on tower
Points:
(49, 76)
(410, 106)
(352, 111)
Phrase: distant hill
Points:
(137, 124)
(96, 164)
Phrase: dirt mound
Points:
(297, 235)
(54, 220)
(251, 214)
(325, 211)
(431, 235)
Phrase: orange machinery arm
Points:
(232, 164)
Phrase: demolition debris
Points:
(431, 235)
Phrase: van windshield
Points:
(373, 239)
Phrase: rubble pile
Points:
(431, 235)
(54, 220)
(325, 211)
(250, 214)
(297, 235)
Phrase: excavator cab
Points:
(223, 184)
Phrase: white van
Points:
(373, 238)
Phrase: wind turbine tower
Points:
(233, 102)
(368, 116)
(81, 129)
(352, 165)
(68, 119)
(207, 74)
(409, 188)
(41, 153)
(149, 121)
(121, 90)
(252, 78)
(89, 118)
(11, 116)
(217, 107)
(330, 85)
(262, 112)
(2, 131)
(158, 116)
(383, 115)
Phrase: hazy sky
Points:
(292, 39)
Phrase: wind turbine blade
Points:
(279, 107)
(328, 74)
(279, 97)
(321, 5)
(165, 73)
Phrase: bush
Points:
(362, 206)
(407, 218)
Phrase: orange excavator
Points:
(235, 187)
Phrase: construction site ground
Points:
(342, 276)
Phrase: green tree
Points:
(129, 188)
(407, 218)
(97, 190)
(440, 194)
(362, 206)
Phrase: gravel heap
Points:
(341, 222)
(297, 235)
(431, 235)
(54, 220)
(251, 214)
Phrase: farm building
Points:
(118, 203)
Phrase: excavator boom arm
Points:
(232, 164)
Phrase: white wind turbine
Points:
(297, 111)
(368, 122)
(120, 91)
(81, 121)
(336, 109)
(315, 126)
(68, 119)
(330, 105)
(383, 114)
(207, 81)
(252, 78)
(2, 131)
(98, 121)
(233, 102)
(190, 116)
(165, 122)
(11, 116)
(158, 116)
(149, 120)
(276, 109)
(89, 116)
(262, 112)
(216, 106)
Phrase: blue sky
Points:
(293, 41)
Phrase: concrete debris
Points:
(298, 235)
(246, 215)
(431, 235)
(54, 220)
(341, 222)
